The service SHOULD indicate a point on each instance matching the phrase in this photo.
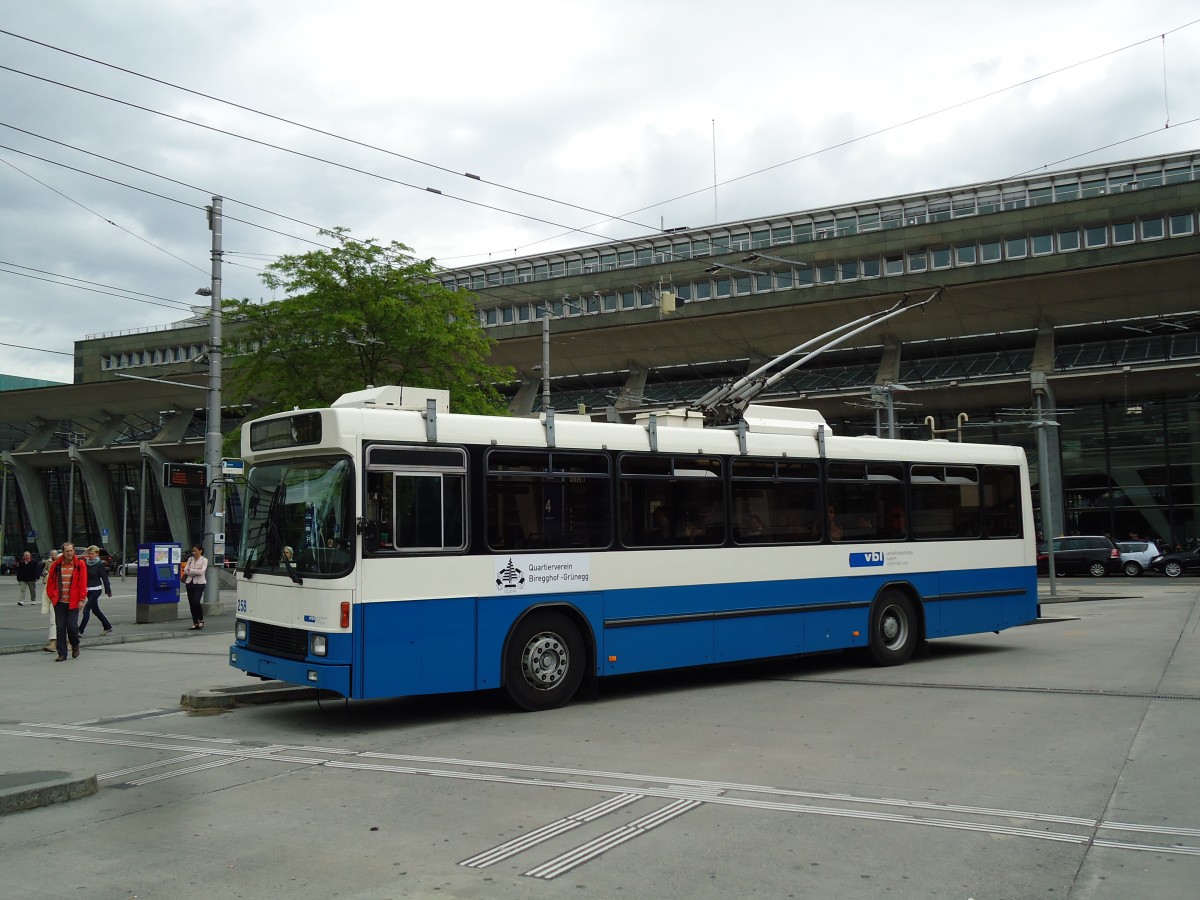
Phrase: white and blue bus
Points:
(392, 548)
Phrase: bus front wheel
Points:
(893, 635)
(543, 665)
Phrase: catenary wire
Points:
(321, 131)
(36, 349)
(99, 215)
(143, 190)
(170, 304)
(881, 131)
(301, 154)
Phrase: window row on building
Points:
(735, 282)
(167, 355)
(156, 356)
(897, 212)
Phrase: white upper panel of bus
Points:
(393, 413)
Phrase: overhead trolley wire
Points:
(323, 132)
(301, 154)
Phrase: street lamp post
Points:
(214, 523)
(125, 529)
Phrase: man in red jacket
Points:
(66, 586)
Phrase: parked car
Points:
(1175, 564)
(1136, 555)
(108, 559)
(8, 565)
(1081, 554)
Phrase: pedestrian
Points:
(194, 580)
(48, 608)
(29, 572)
(97, 581)
(66, 586)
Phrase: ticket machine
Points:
(158, 582)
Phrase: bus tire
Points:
(893, 629)
(544, 662)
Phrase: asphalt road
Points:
(1055, 760)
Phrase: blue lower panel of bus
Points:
(457, 644)
(416, 647)
(669, 628)
(326, 676)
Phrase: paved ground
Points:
(23, 628)
(1051, 761)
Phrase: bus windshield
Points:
(299, 519)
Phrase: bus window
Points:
(415, 499)
(776, 501)
(945, 501)
(672, 501)
(863, 499)
(543, 500)
(1001, 501)
(304, 504)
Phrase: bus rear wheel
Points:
(543, 665)
(893, 634)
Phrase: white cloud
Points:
(608, 105)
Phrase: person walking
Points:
(66, 586)
(97, 581)
(194, 579)
(29, 572)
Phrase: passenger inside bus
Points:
(834, 528)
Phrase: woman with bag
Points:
(194, 580)
(97, 581)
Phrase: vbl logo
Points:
(870, 558)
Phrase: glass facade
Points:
(1130, 468)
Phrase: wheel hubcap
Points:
(893, 628)
(545, 661)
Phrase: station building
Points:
(1066, 303)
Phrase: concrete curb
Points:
(20, 791)
(103, 641)
(251, 695)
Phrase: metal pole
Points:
(124, 530)
(4, 512)
(545, 357)
(70, 499)
(142, 505)
(214, 525)
(1044, 494)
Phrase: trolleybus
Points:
(393, 548)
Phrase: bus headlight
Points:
(240, 630)
(320, 645)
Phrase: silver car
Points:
(1136, 555)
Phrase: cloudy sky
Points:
(570, 112)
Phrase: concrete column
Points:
(33, 493)
(96, 482)
(635, 387)
(172, 500)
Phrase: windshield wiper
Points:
(277, 502)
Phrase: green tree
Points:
(356, 315)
